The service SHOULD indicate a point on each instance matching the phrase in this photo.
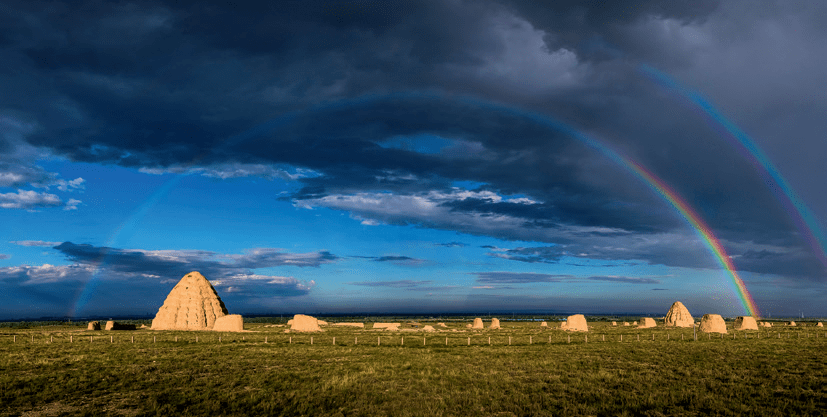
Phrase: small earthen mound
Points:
(360, 325)
(625, 323)
(427, 328)
(634, 323)
(441, 325)
(564, 325)
(93, 325)
(767, 324)
(303, 323)
(577, 323)
(820, 324)
(469, 325)
(477, 324)
(229, 323)
(745, 323)
(192, 304)
(543, 324)
(646, 323)
(614, 323)
(791, 324)
(678, 316)
(323, 323)
(495, 324)
(712, 323)
(387, 326)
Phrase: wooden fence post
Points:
(489, 340)
(356, 341)
(621, 338)
(71, 338)
(334, 340)
(403, 341)
(469, 341)
(311, 340)
(378, 340)
(529, 340)
(446, 341)
(15, 338)
(133, 339)
(509, 340)
(568, 338)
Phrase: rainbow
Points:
(801, 215)
(659, 186)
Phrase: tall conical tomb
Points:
(678, 316)
(193, 304)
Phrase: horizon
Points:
(417, 157)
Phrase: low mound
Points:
(625, 323)
(678, 316)
(229, 323)
(767, 324)
(93, 325)
(428, 328)
(564, 325)
(791, 324)
(634, 323)
(646, 323)
(361, 325)
(441, 325)
(495, 324)
(113, 325)
(614, 323)
(712, 323)
(302, 323)
(469, 325)
(745, 323)
(387, 326)
(577, 323)
(323, 323)
(477, 324)
(543, 324)
(819, 324)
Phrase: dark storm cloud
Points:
(329, 87)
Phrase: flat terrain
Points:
(58, 370)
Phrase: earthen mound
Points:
(477, 324)
(303, 323)
(564, 325)
(192, 304)
(678, 316)
(469, 325)
(427, 328)
(712, 323)
(614, 323)
(646, 323)
(360, 325)
(625, 323)
(495, 324)
(820, 324)
(113, 325)
(543, 324)
(634, 323)
(767, 324)
(323, 323)
(745, 323)
(387, 326)
(229, 323)
(441, 325)
(791, 324)
(577, 323)
(93, 325)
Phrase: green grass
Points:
(242, 375)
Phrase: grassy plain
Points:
(542, 372)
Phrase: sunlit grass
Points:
(240, 374)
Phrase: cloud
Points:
(322, 94)
(35, 243)
(451, 244)
(29, 200)
(235, 271)
(530, 277)
(400, 260)
(4, 256)
(392, 284)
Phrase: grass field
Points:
(541, 372)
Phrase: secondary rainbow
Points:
(801, 215)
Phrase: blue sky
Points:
(406, 157)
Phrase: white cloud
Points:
(72, 204)
(34, 243)
(227, 171)
(29, 200)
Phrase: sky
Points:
(414, 157)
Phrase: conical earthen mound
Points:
(678, 316)
(192, 304)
